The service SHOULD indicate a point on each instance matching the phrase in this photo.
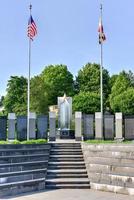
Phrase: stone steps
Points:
(66, 163)
(67, 171)
(63, 175)
(67, 181)
(68, 186)
(66, 167)
(67, 159)
(67, 153)
(66, 150)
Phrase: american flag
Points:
(102, 36)
(32, 28)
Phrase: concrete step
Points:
(112, 188)
(67, 153)
(67, 181)
(67, 147)
(8, 152)
(112, 179)
(10, 189)
(22, 166)
(66, 156)
(66, 144)
(112, 169)
(66, 163)
(65, 150)
(66, 171)
(66, 160)
(12, 177)
(23, 158)
(68, 186)
(52, 176)
(66, 167)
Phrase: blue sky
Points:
(67, 34)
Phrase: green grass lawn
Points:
(39, 141)
(109, 142)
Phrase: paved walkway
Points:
(63, 194)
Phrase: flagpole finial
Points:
(101, 6)
(30, 6)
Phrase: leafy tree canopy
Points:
(86, 102)
(124, 102)
(57, 80)
(88, 79)
(39, 96)
(15, 100)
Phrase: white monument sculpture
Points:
(64, 113)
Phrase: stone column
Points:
(98, 128)
(52, 126)
(118, 126)
(32, 126)
(11, 126)
(78, 126)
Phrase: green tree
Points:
(124, 102)
(112, 80)
(86, 102)
(88, 79)
(57, 80)
(15, 100)
(39, 96)
(123, 84)
(1, 101)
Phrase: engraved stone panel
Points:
(32, 126)
(88, 122)
(42, 126)
(109, 127)
(3, 127)
(129, 127)
(21, 128)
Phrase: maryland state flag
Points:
(102, 36)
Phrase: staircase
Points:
(66, 167)
(110, 167)
(23, 168)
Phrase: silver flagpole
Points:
(101, 78)
(28, 89)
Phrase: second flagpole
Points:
(101, 79)
(28, 89)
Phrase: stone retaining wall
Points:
(110, 167)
